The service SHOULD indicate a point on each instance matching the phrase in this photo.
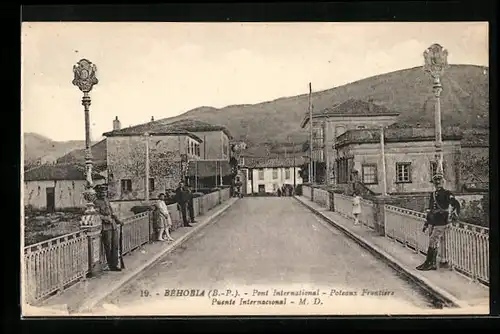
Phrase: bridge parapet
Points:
(465, 247)
(54, 265)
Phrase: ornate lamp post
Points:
(435, 63)
(85, 79)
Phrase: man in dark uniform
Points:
(182, 197)
(191, 205)
(110, 233)
(438, 217)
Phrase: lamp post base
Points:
(91, 223)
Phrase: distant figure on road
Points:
(182, 197)
(162, 219)
(438, 215)
(356, 207)
(110, 233)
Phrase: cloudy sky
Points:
(164, 69)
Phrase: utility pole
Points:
(311, 167)
(146, 188)
(382, 149)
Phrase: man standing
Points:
(191, 205)
(110, 232)
(182, 197)
(438, 216)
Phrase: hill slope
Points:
(37, 146)
(464, 103)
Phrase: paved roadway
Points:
(266, 243)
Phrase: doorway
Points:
(262, 188)
(51, 199)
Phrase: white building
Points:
(266, 175)
(56, 187)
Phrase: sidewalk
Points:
(446, 285)
(85, 295)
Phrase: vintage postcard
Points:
(188, 169)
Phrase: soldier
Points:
(438, 216)
(110, 232)
(183, 197)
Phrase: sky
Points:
(164, 69)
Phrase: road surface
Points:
(267, 244)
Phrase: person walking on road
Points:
(110, 233)
(162, 219)
(442, 205)
(356, 207)
(182, 197)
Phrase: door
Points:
(262, 188)
(51, 199)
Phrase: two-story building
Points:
(264, 175)
(166, 149)
(212, 168)
(332, 122)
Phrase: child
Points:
(163, 219)
(356, 207)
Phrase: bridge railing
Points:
(53, 265)
(465, 247)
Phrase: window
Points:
(433, 168)
(126, 185)
(198, 150)
(361, 127)
(151, 184)
(369, 173)
(287, 174)
(403, 172)
(275, 173)
(261, 174)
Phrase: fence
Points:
(465, 247)
(53, 265)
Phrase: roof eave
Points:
(176, 133)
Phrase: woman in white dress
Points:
(162, 219)
(356, 207)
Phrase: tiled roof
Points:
(273, 162)
(58, 172)
(182, 127)
(357, 107)
(351, 107)
(199, 126)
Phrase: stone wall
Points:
(126, 158)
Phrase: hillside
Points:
(38, 146)
(464, 103)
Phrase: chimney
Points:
(370, 104)
(152, 118)
(116, 124)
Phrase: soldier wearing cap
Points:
(110, 236)
(438, 216)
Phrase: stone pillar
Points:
(92, 224)
(331, 200)
(379, 214)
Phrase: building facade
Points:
(168, 155)
(266, 175)
(409, 158)
(332, 122)
(56, 187)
